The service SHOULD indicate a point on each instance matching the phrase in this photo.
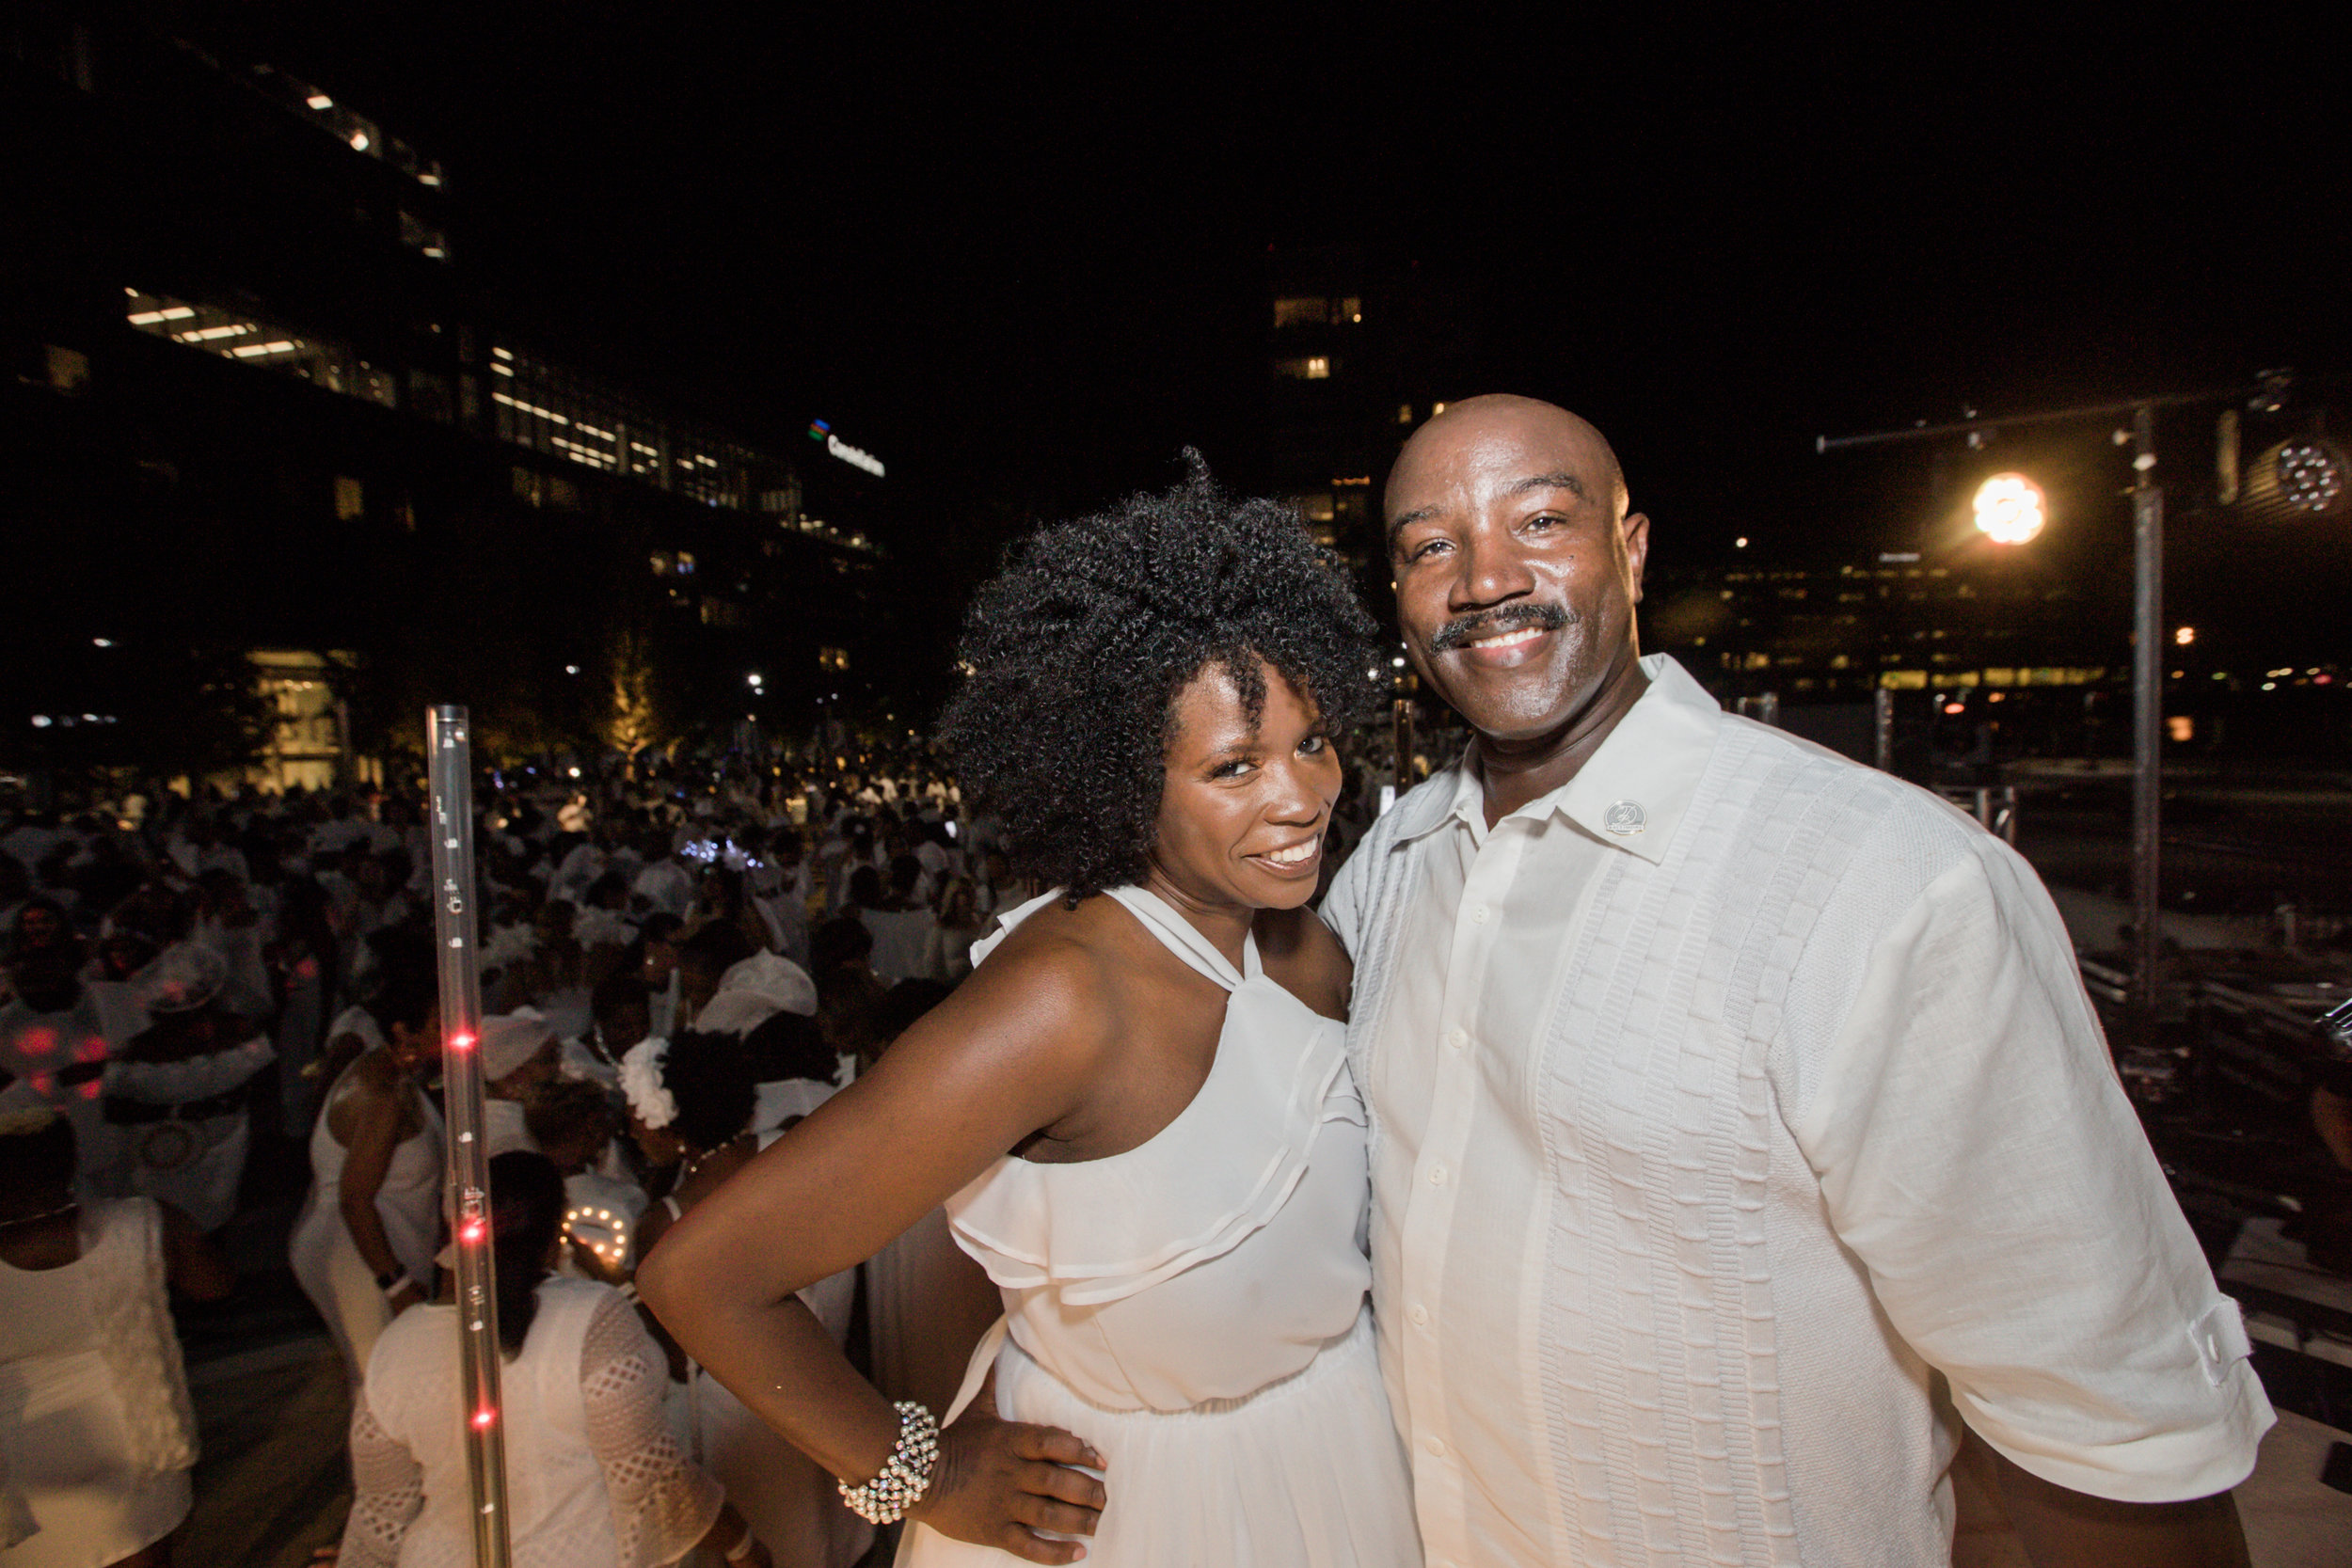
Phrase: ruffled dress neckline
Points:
(1216, 1173)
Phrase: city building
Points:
(258, 403)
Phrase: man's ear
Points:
(1634, 531)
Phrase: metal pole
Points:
(2147, 708)
(450, 772)
(1882, 728)
(1401, 734)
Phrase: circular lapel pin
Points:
(1624, 817)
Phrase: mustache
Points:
(1493, 623)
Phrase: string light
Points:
(583, 1219)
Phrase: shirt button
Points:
(1437, 1447)
(1419, 1314)
(1437, 1175)
(1457, 1038)
(1478, 916)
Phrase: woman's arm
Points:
(192, 1265)
(1011, 1052)
(375, 1104)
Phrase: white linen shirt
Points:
(1726, 1102)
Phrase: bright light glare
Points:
(319, 101)
(2185, 636)
(2009, 509)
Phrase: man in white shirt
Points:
(1740, 1125)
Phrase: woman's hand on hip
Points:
(999, 1484)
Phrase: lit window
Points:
(321, 362)
(1312, 311)
(422, 237)
(350, 500)
(2180, 727)
(1404, 413)
(1313, 368)
(833, 658)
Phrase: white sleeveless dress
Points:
(1196, 1308)
(96, 1432)
(326, 1262)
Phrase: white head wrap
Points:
(641, 1081)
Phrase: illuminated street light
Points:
(2185, 636)
(2010, 508)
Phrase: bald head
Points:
(1506, 422)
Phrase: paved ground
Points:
(273, 1484)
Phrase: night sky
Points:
(1024, 261)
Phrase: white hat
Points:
(755, 991)
(510, 1040)
(182, 978)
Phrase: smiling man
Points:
(1740, 1127)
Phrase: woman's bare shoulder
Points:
(1304, 958)
(1054, 989)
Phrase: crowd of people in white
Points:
(677, 965)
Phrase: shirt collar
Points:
(1632, 793)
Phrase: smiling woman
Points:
(1136, 1112)
(1080, 648)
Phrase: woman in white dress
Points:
(362, 1246)
(593, 1475)
(96, 1432)
(1137, 1109)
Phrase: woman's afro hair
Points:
(1073, 654)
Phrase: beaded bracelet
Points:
(901, 1485)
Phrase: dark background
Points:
(1025, 259)
(1022, 257)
